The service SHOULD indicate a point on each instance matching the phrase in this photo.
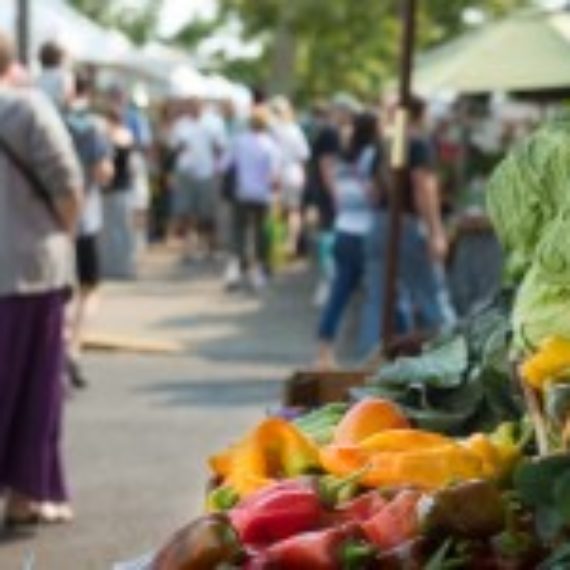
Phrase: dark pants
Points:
(348, 275)
(250, 221)
(31, 395)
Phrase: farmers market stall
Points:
(453, 458)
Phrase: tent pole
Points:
(399, 163)
(23, 30)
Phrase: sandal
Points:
(21, 513)
(19, 522)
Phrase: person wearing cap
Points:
(41, 197)
(256, 159)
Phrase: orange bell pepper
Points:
(368, 417)
(273, 450)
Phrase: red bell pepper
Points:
(362, 508)
(358, 510)
(277, 512)
(396, 523)
(317, 550)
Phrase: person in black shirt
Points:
(332, 130)
(117, 238)
(423, 298)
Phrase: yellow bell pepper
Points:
(404, 457)
(498, 452)
(398, 440)
(547, 365)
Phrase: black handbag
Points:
(36, 184)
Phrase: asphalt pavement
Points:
(138, 439)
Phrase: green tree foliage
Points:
(137, 22)
(347, 44)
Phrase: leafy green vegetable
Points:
(535, 479)
(544, 485)
(558, 560)
(462, 382)
(562, 495)
(529, 203)
(319, 424)
(443, 366)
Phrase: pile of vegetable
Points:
(463, 380)
(529, 204)
(378, 485)
(455, 459)
(546, 377)
(359, 487)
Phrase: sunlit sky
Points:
(178, 12)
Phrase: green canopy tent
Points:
(526, 52)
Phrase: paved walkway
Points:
(139, 438)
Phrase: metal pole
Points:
(23, 30)
(399, 161)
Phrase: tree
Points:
(139, 24)
(317, 46)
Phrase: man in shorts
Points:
(194, 198)
(94, 152)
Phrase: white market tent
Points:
(164, 70)
(85, 40)
(171, 72)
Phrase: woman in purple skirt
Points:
(40, 195)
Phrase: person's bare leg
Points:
(208, 238)
(83, 307)
(325, 357)
(294, 227)
(189, 240)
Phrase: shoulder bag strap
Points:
(37, 186)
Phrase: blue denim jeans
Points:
(348, 273)
(422, 290)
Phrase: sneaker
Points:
(232, 275)
(321, 294)
(76, 376)
(258, 280)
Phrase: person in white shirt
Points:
(294, 154)
(256, 159)
(194, 199)
(55, 78)
(216, 125)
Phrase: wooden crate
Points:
(310, 388)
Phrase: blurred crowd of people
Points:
(87, 177)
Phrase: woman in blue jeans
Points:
(353, 183)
